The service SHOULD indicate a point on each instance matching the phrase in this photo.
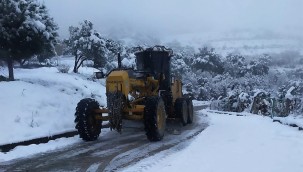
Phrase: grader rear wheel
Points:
(88, 127)
(181, 110)
(154, 118)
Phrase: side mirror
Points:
(99, 75)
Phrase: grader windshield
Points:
(156, 62)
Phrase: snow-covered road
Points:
(112, 151)
(247, 143)
(235, 144)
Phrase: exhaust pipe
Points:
(119, 61)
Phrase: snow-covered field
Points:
(247, 143)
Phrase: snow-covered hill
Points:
(245, 46)
(249, 43)
(42, 101)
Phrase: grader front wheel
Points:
(154, 118)
(89, 128)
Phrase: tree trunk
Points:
(75, 69)
(10, 65)
(22, 62)
(76, 63)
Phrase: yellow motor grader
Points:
(148, 93)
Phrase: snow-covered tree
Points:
(207, 60)
(114, 48)
(45, 55)
(260, 66)
(291, 95)
(181, 62)
(235, 65)
(26, 29)
(86, 44)
(178, 64)
(186, 52)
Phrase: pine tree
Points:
(26, 29)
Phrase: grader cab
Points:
(148, 93)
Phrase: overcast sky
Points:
(174, 17)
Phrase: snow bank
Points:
(201, 103)
(25, 151)
(291, 120)
(232, 143)
(42, 102)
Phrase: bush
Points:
(262, 103)
(235, 101)
(63, 68)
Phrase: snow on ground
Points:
(234, 143)
(25, 151)
(291, 119)
(42, 102)
(201, 103)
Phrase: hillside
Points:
(249, 43)
(42, 101)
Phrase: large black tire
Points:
(190, 108)
(88, 127)
(168, 101)
(154, 118)
(181, 110)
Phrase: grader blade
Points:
(115, 110)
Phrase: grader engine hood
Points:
(118, 81)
